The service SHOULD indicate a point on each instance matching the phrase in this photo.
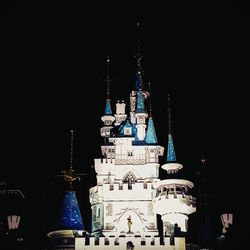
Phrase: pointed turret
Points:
(139, 115)
(151, 134)
(69, 223)
(171, 166)
(108, 110)
(108, 118)
(138, 95)
(173, 199)
(171, 157)
(70, 215)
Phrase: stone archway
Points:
(137, 226)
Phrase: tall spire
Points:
(171, 166)
(138, 56)
(151, 134)
(108, 110)
(70, 215)
(171, 157)
(69, 175)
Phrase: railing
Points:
(121, 159)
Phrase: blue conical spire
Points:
(171, 152)
(70, 215)
(108, 110)
(140, 102)
(151, 135)
(171, 156)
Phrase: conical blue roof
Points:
(140, 102)
(70, 215)
(108, 110)
(151, 135)
(171, 152)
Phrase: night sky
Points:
(54, 80)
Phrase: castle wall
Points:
(120, 243)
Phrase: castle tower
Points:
(69, 224)
(107, 118)
(172, 198)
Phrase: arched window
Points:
(130, 179)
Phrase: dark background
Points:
(54, 66)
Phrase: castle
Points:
(129, 195)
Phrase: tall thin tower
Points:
(172, 198)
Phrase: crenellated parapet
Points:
(122, 242)
(174, 202)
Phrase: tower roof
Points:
(108, 110)
(151, 135)
(70, 215)
(140, 108)
(171, 156)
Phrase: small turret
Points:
(173, 199)
(171, 166)
(107, 118)
(69, 223)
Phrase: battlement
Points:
(115, 242)
(122, 191)
(174, 203)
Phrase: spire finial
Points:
(108, 78)
(69, 175)
(108, 110)
(169, 116)
(71, 148)
(150, 99)
(138, 55)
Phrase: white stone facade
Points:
(125, 179)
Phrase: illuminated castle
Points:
(129, 193)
